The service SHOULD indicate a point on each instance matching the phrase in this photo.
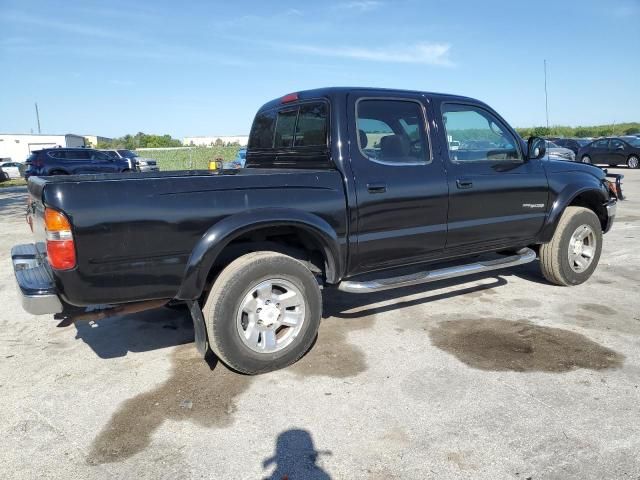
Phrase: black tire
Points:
(585, 159)
(554, 256)
(633, 162)
(226, 296)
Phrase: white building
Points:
(17, 147)
(241, 140)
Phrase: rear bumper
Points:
(36, 287)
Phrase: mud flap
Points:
(199, 327)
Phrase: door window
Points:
(616, 145)
(476, 135)
(392, 131)
(601, 143)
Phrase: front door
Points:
(496, 197)
(401, 189)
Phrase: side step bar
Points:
(523, 256)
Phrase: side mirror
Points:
(537, 148)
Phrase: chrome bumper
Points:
(611, 207)
(35, 285)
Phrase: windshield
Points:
(582, 142)
(552, 145)
(127, 153)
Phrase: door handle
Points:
(464, 183)
(376, 187)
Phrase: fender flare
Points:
(218, 236)
(561, 202)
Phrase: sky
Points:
(205, 67)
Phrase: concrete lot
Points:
(497, 376)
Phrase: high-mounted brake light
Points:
(61, 249)
(292, 97)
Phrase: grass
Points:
(15, 182)
(193, 158)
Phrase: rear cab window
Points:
(293, 135)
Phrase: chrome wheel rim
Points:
(586, 159)
(582, 248)
(633, 162)
(270, 315)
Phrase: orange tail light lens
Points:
(61, 249)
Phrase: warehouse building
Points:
(17, 147)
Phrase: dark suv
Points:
(71, 161)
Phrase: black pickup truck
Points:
(350, 188)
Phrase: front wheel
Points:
(586, 159)
(574, 251)
(633, 162)
(263, 312)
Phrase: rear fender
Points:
(214, 241)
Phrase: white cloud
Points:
(420, 53)
(361, 5)
(65, 27)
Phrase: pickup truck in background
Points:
(344, 188)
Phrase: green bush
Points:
(188, 158)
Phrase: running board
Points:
(523, 256)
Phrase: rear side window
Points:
(601, 143)
(392, 131)
(78, 154)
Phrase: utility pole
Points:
(546, 96)
(38, 117)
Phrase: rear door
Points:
(401, 188)
(495, 196)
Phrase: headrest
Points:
(393, 146)
(363, 139)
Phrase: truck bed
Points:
(135, 232)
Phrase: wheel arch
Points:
(588, 197)
(289, 231)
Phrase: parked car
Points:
(344, 189)
(239, 161)
(612, 151)
(72, 161)
(572, 144)
(561, 153)
(11, 169)
(135, 161)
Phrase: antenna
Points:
(38, 117)
(546, 96)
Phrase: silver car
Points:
(560, 153)
(136, 163)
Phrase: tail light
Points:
(61, 249)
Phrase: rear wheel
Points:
(574, 251)
(633, 162)
(263, 312)
(586, 159)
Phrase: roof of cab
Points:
(329, 92)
